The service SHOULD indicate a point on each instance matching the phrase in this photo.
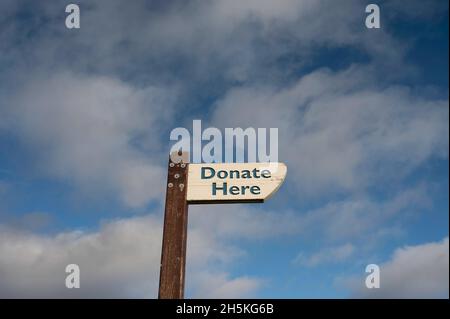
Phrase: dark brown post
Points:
(173, 255)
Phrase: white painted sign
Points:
(234, 182)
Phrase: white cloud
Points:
(89, 129)
(120, 260)
(234, 40)
(339, 132)
(420, 271)
(363, 218)
(326, 255)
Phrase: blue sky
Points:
(85, 118)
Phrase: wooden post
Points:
(173, 254)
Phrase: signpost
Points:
(201, 184)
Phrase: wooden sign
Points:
(233, 182)
(205, 183)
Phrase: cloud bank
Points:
(92, 109)
(420, 271)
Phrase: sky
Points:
(85, 120)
